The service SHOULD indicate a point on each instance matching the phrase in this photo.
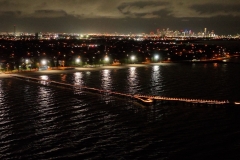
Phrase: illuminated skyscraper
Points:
(14, 30)
(205, 31)
(158, 31)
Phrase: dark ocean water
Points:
(48, 122)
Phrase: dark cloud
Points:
(217, 8)
(6, 3)
(10, 13)
(164, 13)
(49, 13)
(142, 4)
(42, 5)
(142, 9)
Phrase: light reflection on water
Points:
(44, 78)
(78, 78)
(44, 95)
(1, 92)
(78, 82)
(47, 114)
(106, 84)
(5, 121)
(106, 80)
(60, 124)
(63, 77)
(4, 108)
(156, 80)
(133, 80)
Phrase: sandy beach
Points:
(76, 69)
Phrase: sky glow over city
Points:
(120, 16)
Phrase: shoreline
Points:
(62, 70)
(76, 69)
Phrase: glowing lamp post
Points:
(43, 65)
(106, 59)
(156, 58)
(93, 60)
(77, 61)
(7, 67)
(43, 62)
(55, 61)
(28, 63)
(133, 58)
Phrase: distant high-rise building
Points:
(212, 33)
(151, 33)
(205, 31)
(190, 32)
(36, 35)
(14, 30)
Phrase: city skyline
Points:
(122, 16)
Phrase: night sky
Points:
(121, 16)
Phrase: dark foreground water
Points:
(48, 122)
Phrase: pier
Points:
(150, 99)
(146, 99)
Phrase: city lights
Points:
(119, 79)
(155, 49)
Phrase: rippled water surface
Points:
(40, 121)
